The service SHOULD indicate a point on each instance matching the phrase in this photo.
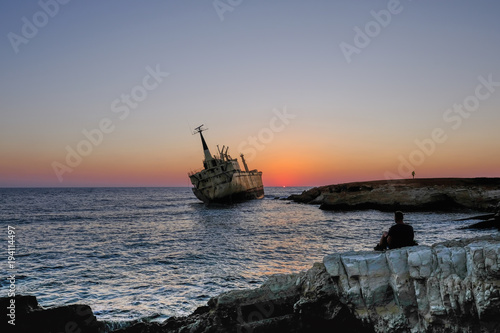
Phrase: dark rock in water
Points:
(489, 224)
(483, 217)
(306, 196)
(492, 221)
(29, 317)
(143, 328)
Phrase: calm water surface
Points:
(152, 253)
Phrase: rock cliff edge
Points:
(406, 194)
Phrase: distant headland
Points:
(425, 194)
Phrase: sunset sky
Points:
(107, 93)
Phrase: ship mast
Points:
(244, 163)
(199, 129)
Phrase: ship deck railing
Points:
(190, 173)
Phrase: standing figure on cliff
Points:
(399, 235)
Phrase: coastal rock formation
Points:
(407, 194)
(490, 221)
(449, 287)
(24, 315)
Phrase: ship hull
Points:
(243, 186)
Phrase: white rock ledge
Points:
(454, 285)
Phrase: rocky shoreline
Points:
(448, 287)
(429, 194)
(25, 315)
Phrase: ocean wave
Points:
(111, 325)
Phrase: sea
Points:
(147, 254)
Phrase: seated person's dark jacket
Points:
(401, 235)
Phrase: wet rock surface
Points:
(29, 317)
(491, 221)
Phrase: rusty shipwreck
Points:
(221, 180)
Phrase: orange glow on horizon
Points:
(282, 163)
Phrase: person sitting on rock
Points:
(399, 235)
